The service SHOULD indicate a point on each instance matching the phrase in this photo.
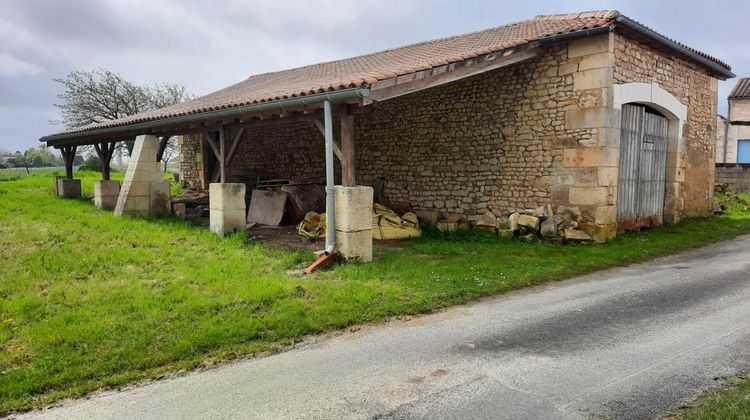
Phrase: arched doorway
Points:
(642, 169)
(649, 181)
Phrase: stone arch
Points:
(653, 95)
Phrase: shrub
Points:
(92, 163)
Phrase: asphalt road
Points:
(634, 342)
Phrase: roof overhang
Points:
(676, 46)
(283, 106)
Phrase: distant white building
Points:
(733, 132)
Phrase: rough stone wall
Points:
(637, 62)
(737, 175)
(191, 160)
(490, 142)
(294, 151)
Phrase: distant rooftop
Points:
(741, 89)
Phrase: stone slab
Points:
(223, 222)
(266, 207)
(106, 194)
(56, 178)
(355, 245)
(160, 199)
(69, 188)
(353, 206)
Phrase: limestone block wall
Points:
(737, 175)
(693, 188)
(588, 175)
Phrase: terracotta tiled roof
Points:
(741, 89)
(371, 68)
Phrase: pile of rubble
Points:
(529, 224)
(386, 224)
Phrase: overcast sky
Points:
(207, 44)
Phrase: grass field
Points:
(733, 403)
(89, 300)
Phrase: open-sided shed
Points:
(591, 110)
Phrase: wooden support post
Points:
(347, 148)
(105, 150)
(222, 157)
(69, 154)
(223, 153)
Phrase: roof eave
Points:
(335, 96)
(713, 65)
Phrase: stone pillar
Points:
(227, 206)
(144, 191)
(68, 188)
(106, 194)
(590, 167)
(353, 206)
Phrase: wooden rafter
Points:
(415, 82)
(162, 146)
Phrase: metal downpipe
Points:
(330, 212)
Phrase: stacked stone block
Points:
(228, 212)
(353, 207)
(144, 191)
(106, 193)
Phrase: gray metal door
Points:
(643, 168)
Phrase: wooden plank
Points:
(235, 142)
(211, 143)
(458, 72)
(347, 149)
(336, 148)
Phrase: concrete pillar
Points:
(68, 188)
(353, 206)
(227, 207)
(144, 191)
(106, 194)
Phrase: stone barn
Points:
(591, 110)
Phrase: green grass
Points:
(89, 300)
(733, 403)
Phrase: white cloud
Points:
(11, 66)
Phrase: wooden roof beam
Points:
(407, 84)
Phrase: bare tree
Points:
(101, 95)
(170, 151)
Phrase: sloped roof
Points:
(741, 89)
(371, 68)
